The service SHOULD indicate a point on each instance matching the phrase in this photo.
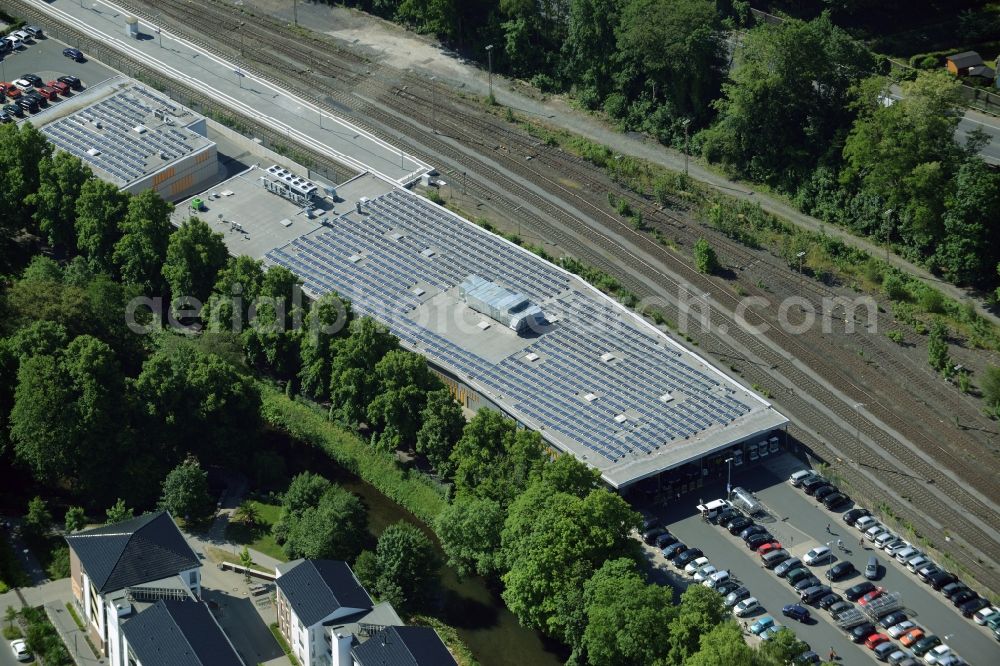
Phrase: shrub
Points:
(705, 259)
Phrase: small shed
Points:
(959, 64)
(983, 72)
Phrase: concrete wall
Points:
(182, 179)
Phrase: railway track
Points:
(562, 224)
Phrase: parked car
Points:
(812, 483)
(926, 572)
(806, 583)
(773, 558)
(893, 543)
(823, 492)
(62, 88)
(942, 578)
(725, 588)
(936, 654)
(924, 645)
(22, 35)
(835, 501)
(12, 91)
(769, 547)
(857, 591)
(24, 85)
(961, 597)
(899, 656)
(892, 618)
(72, 81)
(736, 596)
(739, 524)
(13, 110)
(14, 42)
(864, 522)
(755, 541)
(917, 562)
(814, 593)
(906, 553)
(840, 607)
(760, 625)
(840, 570)
(884, 649)
(726, 516)
(953, 588)
(871, 569)
(35, 80)
(862, 631)
(897, 630)
(850, 517)
(817, 555)
(871, 596)
(651, 534)
(73, 54)
(687, 556)
(912, 637)
(695, 564)
(973, 606)
(829, 600)
(753, 529)
(673, 550)
(715, 580)
(29, 105)
(702, 573)
(20, 650)
(770, 632)
(34, 31)
(49, 93)
(983, 615)
(874, 640)
(896, 547)
(797, 478)
(874, 531)
(806, 658)
(884, 538)
(796, 575)
(788, 565)
(796, 612)
(748, 606)
(665, 540)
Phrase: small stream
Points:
(477, 612)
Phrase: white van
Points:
(865, 522)
(798, 477)
(14, 42)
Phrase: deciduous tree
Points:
(469, 530)
(195, 255)
(99, 208)
(142, 249)
(441, 423)
(407, 566)
(61, 178)
(185, 491)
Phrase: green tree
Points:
(783, 647)
(326, 322)
(353, 380)
(402, 381)
(700, 611)
(937, 347)
(441, 423)
(551, 543)
(494, 458)
(246, 561)
(75, 519)
(705, 259)
(272, 340)
(627, 619)
(236, 289)
(788, 100)
(61, 178)
(407, 566)
(723, 644)
(366, 569)
(99, 208)
(195, 255)
(118, 512)
(185, 491)
(469, 530)
(334, 528)
(142, 249)
(969, 248)
(38, 520)
(247, 514)
(22, 149)
(590, 37)
(991, 386)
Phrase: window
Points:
(193, 578)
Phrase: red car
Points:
(10, 90)
(874, 594)
(768, 547)
(875, 640)
(48, 93)
(60, 86)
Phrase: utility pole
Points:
(687, 145)
(489, 55)
(729, 478)
(433, 105)
(295, 11)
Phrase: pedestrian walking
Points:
(828, 530)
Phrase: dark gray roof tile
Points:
(179, 633)
(404, 646)
(317, 588)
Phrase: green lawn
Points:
(259, 537)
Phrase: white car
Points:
(895, 548)
(864, 522)
(874, 531)
(884, 538)
(24, 85)
(717, 579)
(799, 477)
(816, 555)
(15, 43)
(20, 650)
(694, 566)
(918, 562)
(983, 616)
(937, 654)
(899, 656)
(746, 607)
(897, 630)
(906, 554)
(21, 34)
(702, 574)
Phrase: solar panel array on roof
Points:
(593, 378)
(112, 135)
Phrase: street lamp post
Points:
(729, 477)
(489, 55)
(295, 11)
(687, 144)
(240, 28)
(433, 105)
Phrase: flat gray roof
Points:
(128, 133)
(597, 381)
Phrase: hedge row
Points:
(414, 491)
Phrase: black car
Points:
(816, 592)
(963, 596)
(829, 600)
(673, 550)
(33, 79)
(861, 589)
(651, 533)
(852, 516)
(38, 99)
(941, 578)
(665, 540)
(813, 489)
(806, 658)
(973, 605)
(757, 540)
(725, 588)
(926, 573)
(6, 117)
(750, 531)
(862, 631)
(649, 522)
(823, 492)
(726, 515)
(840, 570)
(73, 54)
(835, 500)
(735, 596)
(806, 583)
(687, 556)
(840, 607)
(28, 104)
(782, 569)
(13, 109)
(891, 619)
(813, 484)
(738, 525)
(71, 81)
(949, 591)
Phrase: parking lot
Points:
(44, 57)
(800, 523)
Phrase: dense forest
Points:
(804, 107)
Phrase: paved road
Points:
(180, 60)
(974, 120)
(800, 524)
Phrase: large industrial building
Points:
(135, 138)
(595, 379)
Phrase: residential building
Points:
(144, 559)
(959, 64)
(176, 633)
(402, 646)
